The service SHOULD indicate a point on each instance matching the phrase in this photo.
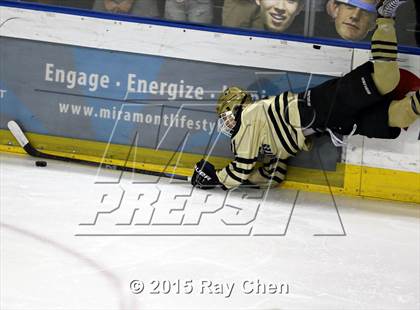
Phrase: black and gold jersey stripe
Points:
(271, 124)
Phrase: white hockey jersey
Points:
(270, 127)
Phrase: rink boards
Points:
(150, 88)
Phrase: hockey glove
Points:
(204, 176)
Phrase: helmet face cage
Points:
(226, 123)
(227, 106)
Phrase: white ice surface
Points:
(49, 262)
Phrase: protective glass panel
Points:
(347, 20)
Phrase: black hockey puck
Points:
(41, 163)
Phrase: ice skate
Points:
(388, 8)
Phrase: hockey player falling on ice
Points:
(361, 102)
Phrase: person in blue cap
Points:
(353, 19)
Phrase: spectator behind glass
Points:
(240, 13)
(196, 11)
(145, 8)
(278, 15)
(86, 4)
(353, 19)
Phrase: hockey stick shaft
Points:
(21, 138)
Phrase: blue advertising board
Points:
(107, 96)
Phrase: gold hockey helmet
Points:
(227, 105)
(231, 98)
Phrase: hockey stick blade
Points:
(21, 138)
(18, 133)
